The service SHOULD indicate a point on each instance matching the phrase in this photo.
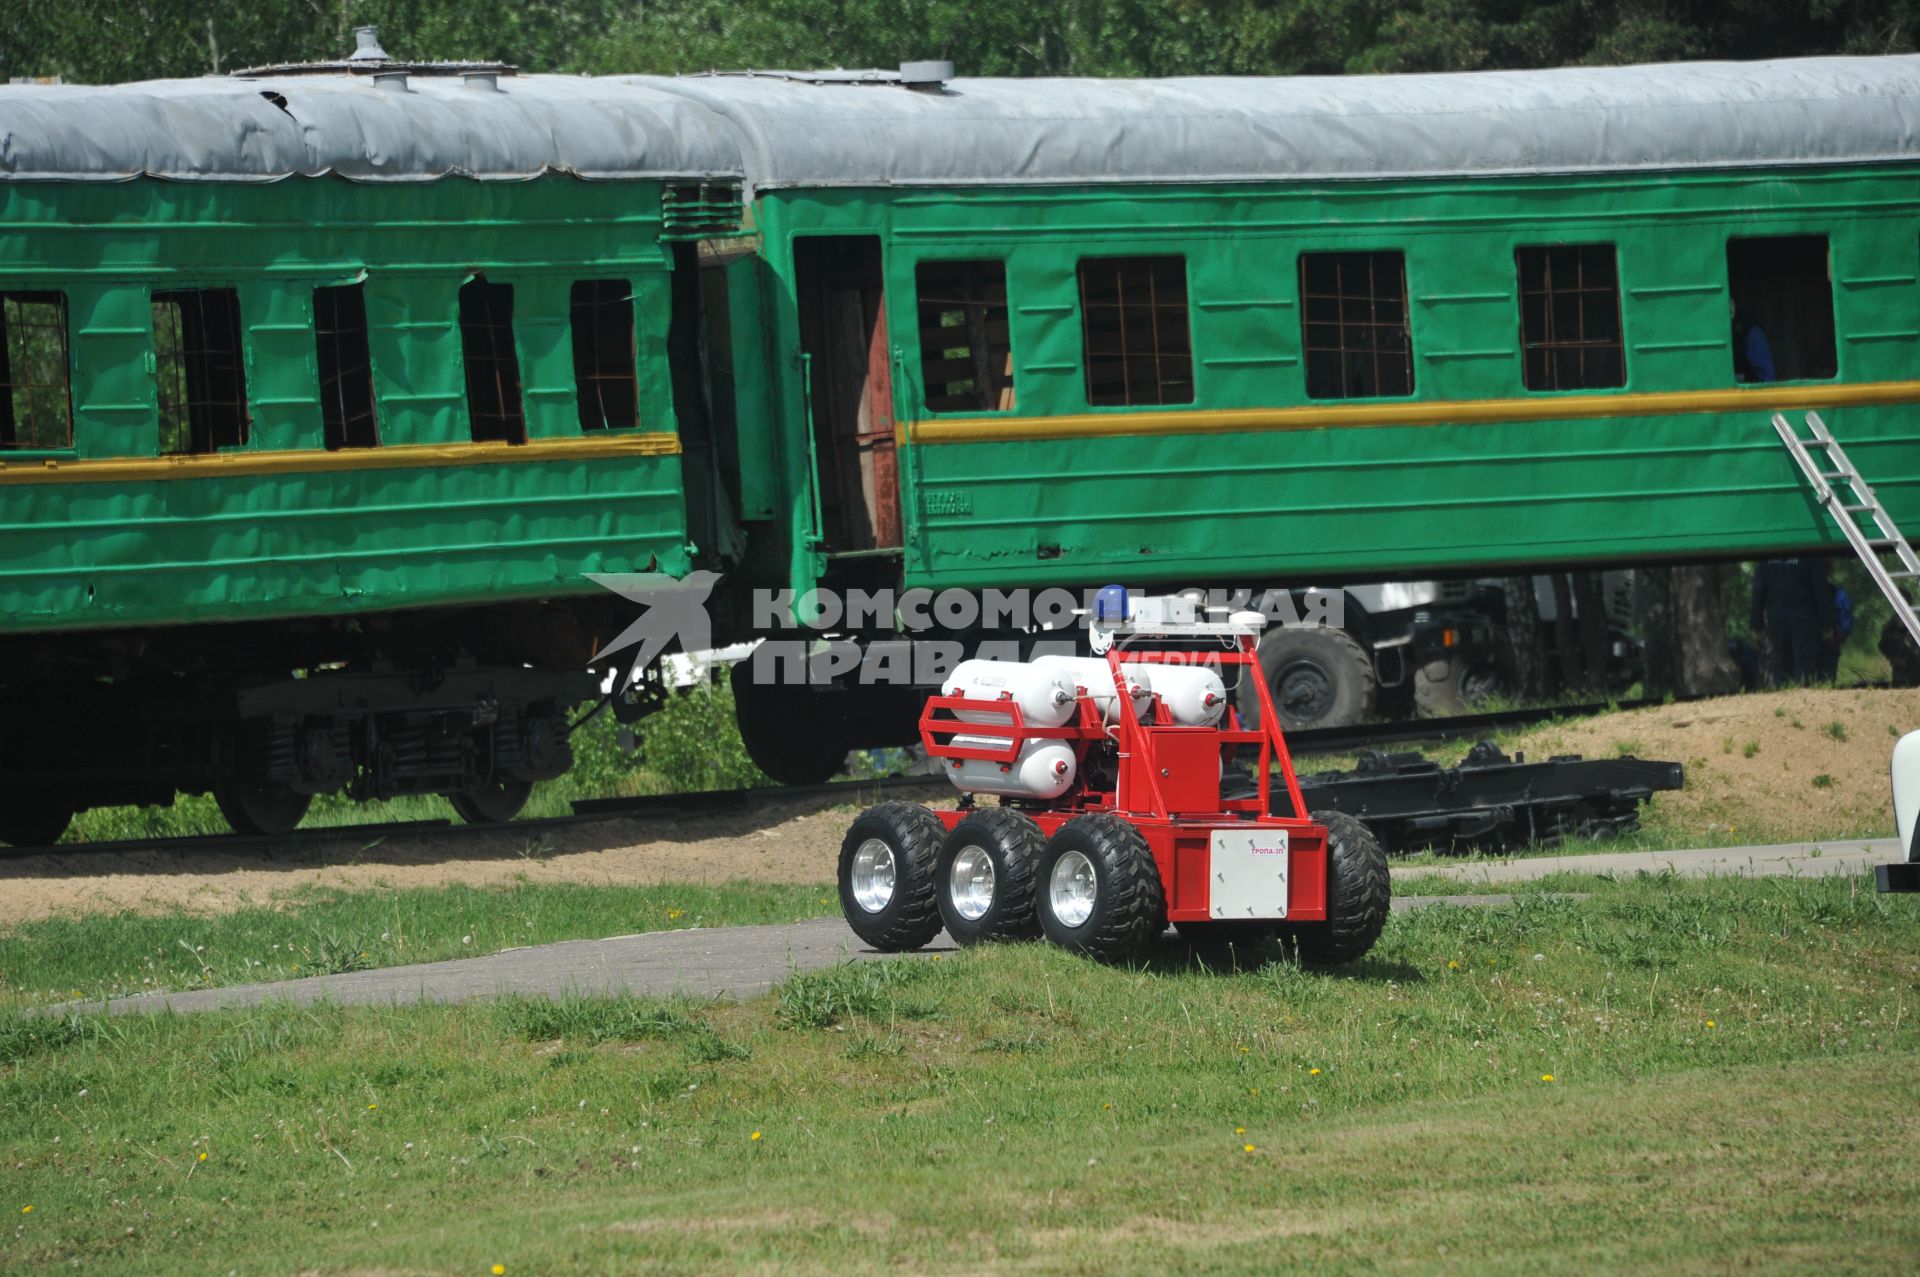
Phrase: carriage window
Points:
(1782, 295)
(1135, 315)
(603, 354)
(966, 351)
(493, 369)
(200, 368)
(346, 368)
(36, 405)
(1353, 319)
(1570, 317)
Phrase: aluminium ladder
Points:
(1826, 469)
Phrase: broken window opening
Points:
(36, 390)
(346, 368)
(1570, 336)
(1782, 294)
(1134, 311)
(200, 371)
(966, 346)
(493, 368)
(604, 373)
(1354, 325)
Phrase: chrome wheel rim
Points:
(872, 875)
(1070, 888)
(970, 883)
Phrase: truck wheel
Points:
(32, 818)
(1098, 891)
(790, 733)
(1318, 678)
(492, 802)
(887, 876)
(985, 876)
(260, 809)
(1359, 890)
(1445, 688)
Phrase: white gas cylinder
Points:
(1094, 674)
(1193, 694)
(1045, 696)
(1043, 769)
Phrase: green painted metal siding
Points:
(159, 550)
(1297, 503)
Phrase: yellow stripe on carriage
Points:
(1761, 400)
(398, 457)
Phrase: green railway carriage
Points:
(325, 391)
(335, 375)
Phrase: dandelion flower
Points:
(755, 1137)
(1453, 964)
(1106, 1106)
(1712, 1025)
(499, 1270)
(1546, 1077)
(1239, 1130)
(372, 1107)
(936, 957)
(203, 1155)
(1246, 1148)
(26, 1210)
(1313, 1072)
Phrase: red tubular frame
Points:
(1180, 842)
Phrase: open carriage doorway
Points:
(843, 332)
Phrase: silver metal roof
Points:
(227, 130)
(777, 129)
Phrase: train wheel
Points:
(1359, 892)
(1099, 892)
(29, 818)
(1318, 678)
(985, 876)
(260, 809)
(791, 734)
(887, 886)
(491, 802)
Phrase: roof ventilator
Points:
(485, 81)
(925, 77)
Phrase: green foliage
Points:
(101, 41)
(693, 743)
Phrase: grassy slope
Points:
(1018, 1109)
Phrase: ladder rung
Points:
(1902, 576)
(1831, 475)
(1858, 509)
(1884, 543)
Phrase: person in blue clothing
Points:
(1838, 636)
(1793, 607)
(1752, 353)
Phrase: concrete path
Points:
(1782, 860)
(720, 962)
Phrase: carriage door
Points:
(843, 334)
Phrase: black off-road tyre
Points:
(1318, 677)
(1232, 946)
(1359, 893)
(795, 736)
(259, 809)
(1012, 845)
(909, 916)
(493, 802)
(33, 818)
(1129, 903)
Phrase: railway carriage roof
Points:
(799, 129)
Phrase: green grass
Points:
(1732, 1068)
(321, 931)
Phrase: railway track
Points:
(1331, 740)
